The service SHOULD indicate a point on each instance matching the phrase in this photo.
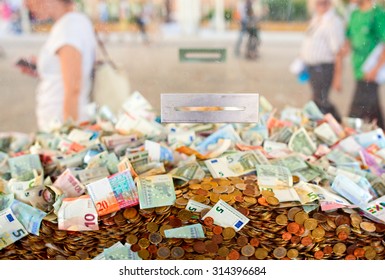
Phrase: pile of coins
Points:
(275, 231)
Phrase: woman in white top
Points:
(323, 39)
(65, 63)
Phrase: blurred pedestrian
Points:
(252, 27)
(323, 40)
(143, 15)
(365, 31)
(65, 63)
(242, 17)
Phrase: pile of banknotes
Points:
(129, 168)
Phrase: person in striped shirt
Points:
(323, 40)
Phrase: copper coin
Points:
(301, 231)
(217, 239)
(208, 221)
(328, 250)
(242, 241)
(175, 222)
(217, 230)
(262, 201)
(295, 240)
(343, 235)
(342, 220)
(243, 211)
(286, 236)
(350, 250)
(350, 258)
(306, 241)
(296, 179)
(177, 252)
(248, 250)
(380, 228)
(163, 252)
(319, 255)
(293, 228)
(199, 247)
(211, 247)
(234, 255)
(320, 217)
(202, 192)
(359, 253)
(135, 248)
(254, 242)
(152, 249)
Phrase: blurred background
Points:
(152, 60)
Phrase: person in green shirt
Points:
(365, 30)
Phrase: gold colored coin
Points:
(185, 215)
(356, 220)
(367, 226)
(195, 186)
(220, 189)
(199, 198)
(301, 217)
(281, 220)
(81, 254)
(130, 213)
(261, 254)
(318, 233)
(370, 253)
(250, 200)
(214, 197)
(228, 233)
(181, 201)
(292, 254)
(224, 183)
(225, 197)
(292, 212)
(207, 186)
(131, 239)
(267, 194)
(311, 224)
(144, 243)
(144, 254)
(223, 252)
(339, 248)
(152, 227)
(272, 200)
(163, 228)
